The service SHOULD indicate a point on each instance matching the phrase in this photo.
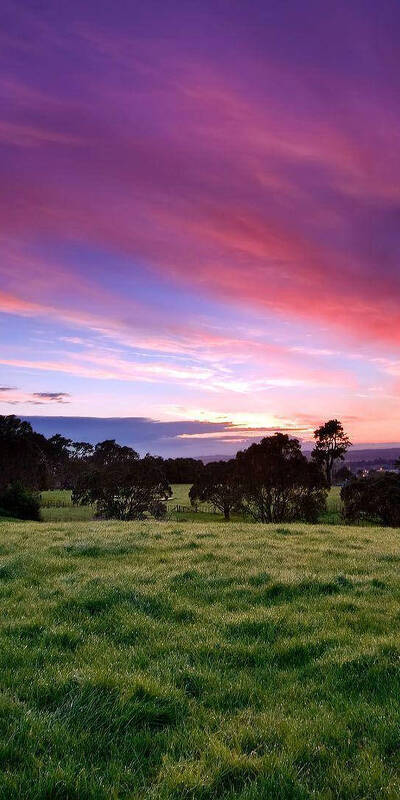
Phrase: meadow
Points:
(163, 661)
(57, 507)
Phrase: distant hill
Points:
(373, 454)
(178, 438)
(356, 458)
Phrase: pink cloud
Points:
(236, 209)
(264, 186)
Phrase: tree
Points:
(58, 450)
(331, 444)
(278, 482)
(110, 453)
(81, 450)
(218, 483)
(123, 488)
(373, 498)
(343, 474)
(16, 501)
(182, 470)
(23, 455)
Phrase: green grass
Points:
(59, 498)
(56, 498)
(180, 494)
(57, 507)
(165, 661)
(333, 513)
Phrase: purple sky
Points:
(199, 216)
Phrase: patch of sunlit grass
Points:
(193, 660)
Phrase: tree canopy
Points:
(219, 484)
(279, 483)
(23, 454)
(373, 498)
(331, 444)
(122, 488)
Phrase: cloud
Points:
(14, 396)
(173, 186)
(57, 397)
(200, 373)
(27, 136)
(178, 437)
(281, 191)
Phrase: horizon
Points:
(165, 438)
(199, 221)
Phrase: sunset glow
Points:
(200, 216)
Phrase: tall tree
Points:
(122, 488)
(58, 456)
(183, 470)
(373, 498)
(109, 453)
(218, 483)
(331, 444)
(278, 482)
(23, 454)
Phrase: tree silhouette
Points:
(343, 474)
(121, 485)
(278, 482)
(218, 483)
(24, 454)
(331, 444)
(373, 498)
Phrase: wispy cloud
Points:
(203, 204)
(56, 397)
(14, 396)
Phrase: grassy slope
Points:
(145, 661)
(57, 507)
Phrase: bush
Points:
(278, 483)
(16, 501)
(374, 498)
(218, 484)
(123, 489)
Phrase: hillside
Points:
(146, 660)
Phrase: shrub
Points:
(278, 483)
(219, 484)
(374, 498)
(123, 488)
(16, 501)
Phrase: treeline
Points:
(271, 481)
(41, 463)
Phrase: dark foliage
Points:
(373, 498)
(16, 501)
(343, 474)
(219, 484)
(121, 485)
(278, 482)
(23, 454)
(331, 444)
(36, 462)
(182, 470)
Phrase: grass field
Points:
(159, 661)
(57, 507)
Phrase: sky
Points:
(199, 217)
